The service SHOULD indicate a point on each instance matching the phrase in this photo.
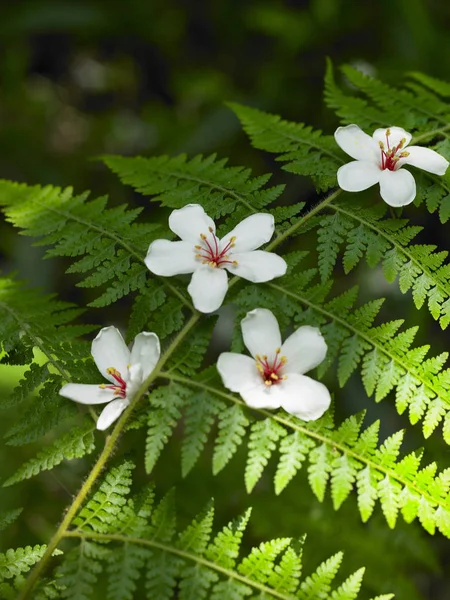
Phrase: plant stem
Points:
(101, 461)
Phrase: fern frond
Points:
(383, 352)
(345, 460)
(175, 182)
(304, 150)
(9, 516)
(78, 442)
(194, 563)
(111, 245)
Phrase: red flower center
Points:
(209, 251)
(121, 388)
(391, 156)
(271, 371)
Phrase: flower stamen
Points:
(210, 254)
(121, 388)
(271, 371)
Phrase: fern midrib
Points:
(363, 336)
(329, 442)
(437, 282)
(212, 186)
(182, 554)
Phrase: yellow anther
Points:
(404, 154)
(258, 356)
(264, 356)
(259, 367)
(112, 371)
(233, 239)
(277, 351)
(198, 247)
(235, 263)
(211, 230)
(268, 382)
(198, 256)
(212, 263)
(381, 145)
(102, 386)
(388, 132)
(203, 236)
(283, 360)
(274, 376)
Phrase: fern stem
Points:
(182, 554)
(290, 424)
(430, 134)
(318, 208)
(102, 460)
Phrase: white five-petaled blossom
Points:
(379, 159)
(274, 377)
(208, 258)
(125, 370)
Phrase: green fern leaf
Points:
(318, 585)
(263, 437)
(75, 444)
(232, 426)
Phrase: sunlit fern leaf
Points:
(382, 352)
(101, 512)
(195, 563)
(224, 549)
(305, 151)
(195, 538)
(319, 583)
(259, 564)
(76, 443)
(20, 560)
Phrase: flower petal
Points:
(303, 397)
(261, 332)
(396, 135)
(171, 258)
(258, 266)
(109, 350)
(426, 159)
(145, 352)
(111, 413)
(358, 175)
(189, 222)
(397, 188)
(238, 371)
(357, 144)
(304, 350)
(208, 287)
(84, 393)
(261, 396)
(251, 233)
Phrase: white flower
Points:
(125, 369)
(274, 377)
(379, 160)
(200, 252)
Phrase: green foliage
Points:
(77, 443)
(306, 152)
(175, 182)
(131, 536)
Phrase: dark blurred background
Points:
(81, 79)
